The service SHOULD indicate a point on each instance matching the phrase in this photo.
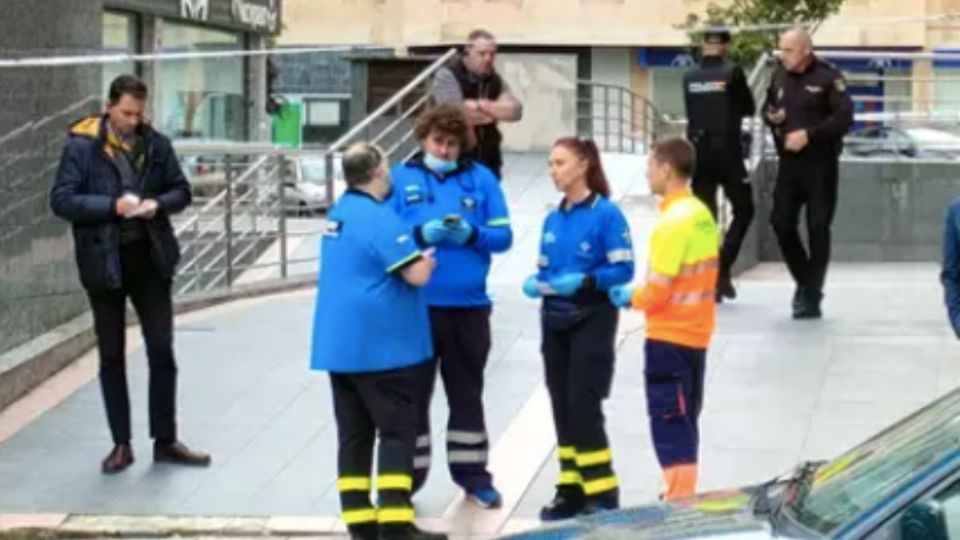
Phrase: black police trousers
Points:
(150, 294)
(809, 181)
(365, 405)
(461, 343)
(578, 357)
(716, 170)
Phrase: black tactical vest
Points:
(711, 111)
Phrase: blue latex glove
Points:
(459, 233)
(434, 232)
(531, 287)
(620, 296)
(567, 284)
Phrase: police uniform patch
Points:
(840, 85)
(332, 228)
(469, 203)
(814, 89)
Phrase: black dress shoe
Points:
(567, 503)
(119, 459)
(178, 454)
(799, 298)
(408, 531)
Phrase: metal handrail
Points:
(650, 124)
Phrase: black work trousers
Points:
(718, 171)
(578, 355)
(809, 181)
(150, 294)
(368, 405)
(461, 342)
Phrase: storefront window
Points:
(201, 98)
(119, 37)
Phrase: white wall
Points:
(546, 85)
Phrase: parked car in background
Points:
(903, 484)
(894, 142)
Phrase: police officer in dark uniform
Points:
(809, 111)
(472, 82)
(717, 99)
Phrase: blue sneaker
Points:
(486, 497)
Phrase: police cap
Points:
(718, 35)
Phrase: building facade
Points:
(210, 98)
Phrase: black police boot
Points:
(808, 307)
(367, 531)
(601, 503)
(725, 287)
(567, 503)
(408, 531)
(799, 297)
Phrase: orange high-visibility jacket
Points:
(679, 296)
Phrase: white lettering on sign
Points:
(257, 16)
(195, 9)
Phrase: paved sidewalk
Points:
(778, 391)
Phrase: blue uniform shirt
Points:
(472, 192)
(367, 317)
(591, 238)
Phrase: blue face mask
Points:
(438, 165)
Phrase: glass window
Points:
(869, 474)
(119, 37)
(201, 98)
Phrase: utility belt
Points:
(561, 313)
(721, 143)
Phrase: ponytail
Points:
(587, 150)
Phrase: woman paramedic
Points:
(585, 250)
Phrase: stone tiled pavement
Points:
(778, 391)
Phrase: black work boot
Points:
(567, 503)
(725, 288)
(366, 531)
(601, 503)
(408, 531)
(809, 306)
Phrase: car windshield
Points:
(865, 476)
(313, 170)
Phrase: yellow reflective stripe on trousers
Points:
(569, 478)
(601, 485)
(567, 452)
(590, 459)
(395, 515)
(353, 483)
(395, 481)
(355, 517)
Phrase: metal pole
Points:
(328, 165)
(228, 219)
(606, 117)
(620, 121)
(282, 228)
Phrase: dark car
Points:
(903, 484)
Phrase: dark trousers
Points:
(713, 172)
(674, 377)
(365, 405)
(151, 297)
(578, 355)
(807, 180)
(461, 342)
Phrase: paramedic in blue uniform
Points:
(372, 334)
(456, 206)
(584, 251)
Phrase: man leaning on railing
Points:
(472, 80)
